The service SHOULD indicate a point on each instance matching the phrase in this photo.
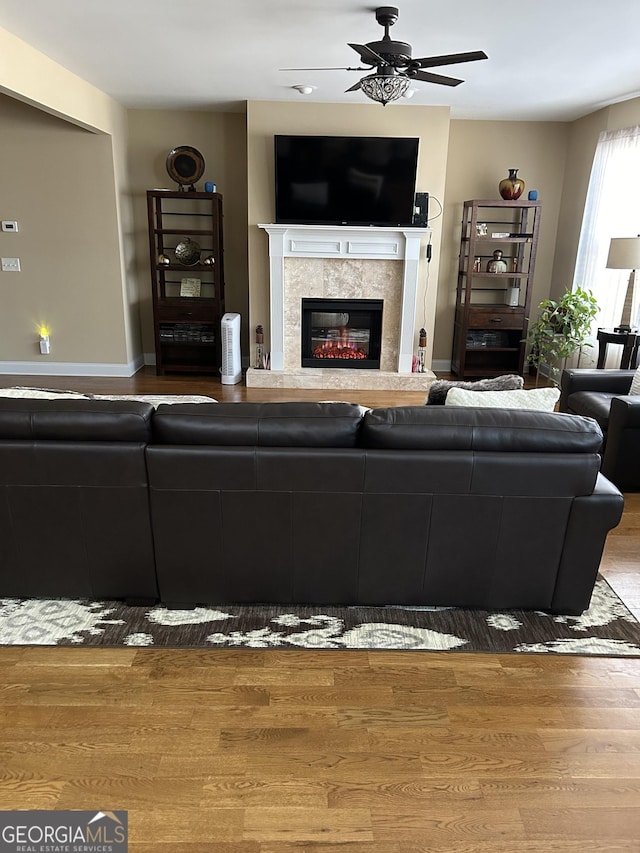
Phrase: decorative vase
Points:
(497, 264)
(512, 187)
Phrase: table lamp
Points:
(624, 254)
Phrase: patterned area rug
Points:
(607, 628)
(20, 392)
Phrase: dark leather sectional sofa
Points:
(310, 503)
(604, 396)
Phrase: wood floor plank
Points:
(477, 764)
(130, 793)
(174, 825)
(431, 738)
(437, 825)
(403, 793)
(355, 718)
(594, 740)
(40, 793)
(592, 823)
(545, 792)
(291, 738)
(307, 824)
(281, 675)
(260, 716)
(252, 791)
(333, 697)
(541, 695)
(344, 766)
(395, 676)
(196, 847)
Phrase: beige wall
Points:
(58, 182)
(83, 180)
(264, 119)
(480, 155)
(221, 139)
(30, 76)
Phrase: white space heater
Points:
(231, 370)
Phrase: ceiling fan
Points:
(395, 67)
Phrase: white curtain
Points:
(612, 209)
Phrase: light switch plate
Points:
(9, 225)
(10, 264)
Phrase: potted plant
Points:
(561, 330)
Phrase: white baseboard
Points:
(67, 368)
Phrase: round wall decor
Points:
(185, 165)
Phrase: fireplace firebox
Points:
(343, 333)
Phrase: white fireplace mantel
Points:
(343, 242)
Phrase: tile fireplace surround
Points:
(327, 262)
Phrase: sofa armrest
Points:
(621, 459)
(584, 379)
(591, 518)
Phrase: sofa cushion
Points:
(635, 383)
(439, 389)
(259, 424)
(536, 399)
(74, 420)
(592, 404)
(482, 429)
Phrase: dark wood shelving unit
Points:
(186, 328)
(488, 337)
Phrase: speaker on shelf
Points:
(421, 210)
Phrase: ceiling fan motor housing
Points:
(395, 52)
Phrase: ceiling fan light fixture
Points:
(385, 88)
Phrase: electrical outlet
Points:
(10, 264)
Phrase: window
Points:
(611, 210)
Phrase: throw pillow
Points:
(537, 399)
(635, 383)
(438, 390)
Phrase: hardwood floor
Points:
(262, 751)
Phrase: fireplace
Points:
(333, 263)
(343, 333)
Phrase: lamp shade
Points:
(624, 253)
(384, 87)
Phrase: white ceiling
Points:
(548, 60)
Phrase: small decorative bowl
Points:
(188, 252)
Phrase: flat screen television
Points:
(345, 180)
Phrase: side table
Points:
(630, 341)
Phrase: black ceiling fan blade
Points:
(355, 87)
(449, 59)
(429, 77)
(367, 55)
(341, 68)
